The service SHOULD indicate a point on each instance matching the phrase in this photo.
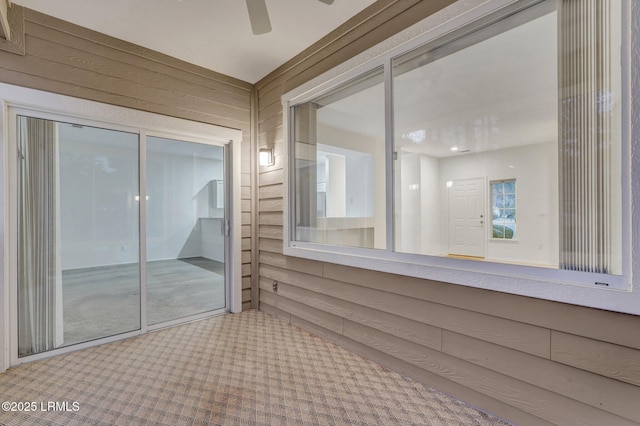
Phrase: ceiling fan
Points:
(259, 16)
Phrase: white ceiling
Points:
(214, 34)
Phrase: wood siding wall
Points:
(67, 59)
(527, 360)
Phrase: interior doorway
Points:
(467, 217)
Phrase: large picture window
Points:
(529, 97)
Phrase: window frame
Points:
(604, 291)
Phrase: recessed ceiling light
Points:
(454, 148)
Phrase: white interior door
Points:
(466, 218)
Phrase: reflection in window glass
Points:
(185, 218)
(464, 116)
(530, 96)
(78, 272)
(503, 209)
(339, 156)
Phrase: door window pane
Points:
(185, 222)
(78, 251)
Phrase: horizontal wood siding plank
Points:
(246, 270)
(271, 191)
(270, 205)
(245, 243)
(271, 310)
(600, 325)
(271, 178)
(598, 391)
(523, 337)
(412, 331)
(270, 123)
(270, 231)
(618, 362)
(316, 316)
(269, 111)
(245, 193)
(292, 263)
(270, 218)
(245, 218)
(246, 283)
(272, 138)
(270, 245)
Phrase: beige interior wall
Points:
(528, 360)
(63, 58)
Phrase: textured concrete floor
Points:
(103, 301)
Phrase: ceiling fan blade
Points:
(327, 1)
(259, 16)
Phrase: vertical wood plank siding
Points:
(527, 360)
(67, 59)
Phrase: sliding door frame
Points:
(16, 100)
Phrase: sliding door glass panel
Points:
(78, 237)
(185, 229)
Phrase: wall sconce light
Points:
(266, 157)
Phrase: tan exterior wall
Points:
(527, 360)
(67, 59)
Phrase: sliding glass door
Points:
(78, 239)
(185, 229)
(85, 200)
